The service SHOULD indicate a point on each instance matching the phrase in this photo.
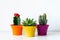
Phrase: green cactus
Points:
(43, 19)
(29, 22)
(16, 20)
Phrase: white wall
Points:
(31, 9)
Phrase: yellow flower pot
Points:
(29, 31)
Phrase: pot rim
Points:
(16, 25)
(42, 25)
(22, 25)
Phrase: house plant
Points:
(42, 27)
(29, 26)
(16, 26)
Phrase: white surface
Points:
(50, 36)
(31, 9)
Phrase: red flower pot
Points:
(42, 29)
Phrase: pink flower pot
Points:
(42, 29)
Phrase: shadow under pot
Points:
(42, 29)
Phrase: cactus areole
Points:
(16, 19)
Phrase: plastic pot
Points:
(16, 29)
(42, 29)
(29, 31)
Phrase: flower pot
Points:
(42, 29)
(29, 31)
(16, 29)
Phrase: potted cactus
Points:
(29, 26)
(42, 27)
(16, 26)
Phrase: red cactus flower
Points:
(16, 14)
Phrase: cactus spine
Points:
(43, 19)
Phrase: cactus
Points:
(16, 19)
(43, 19)
(29, 22)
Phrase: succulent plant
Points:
(43, 19)
(29, 22)
(16, 19)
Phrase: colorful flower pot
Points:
(16, 29)
(29, 31)
(42, 29)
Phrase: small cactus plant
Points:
(43, 19)
(29, 22)
(16, 19)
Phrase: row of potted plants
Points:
(29, 26)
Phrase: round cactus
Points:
(16, 19)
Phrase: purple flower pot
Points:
(42, 29)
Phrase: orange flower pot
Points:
(16, 29)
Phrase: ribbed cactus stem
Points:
(44, 16)
(43, 19)
(40, 19)
(18, 19)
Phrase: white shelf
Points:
(9, 36)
